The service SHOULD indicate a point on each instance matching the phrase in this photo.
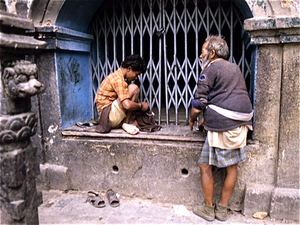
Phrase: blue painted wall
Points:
(74, 86)
(73, 67)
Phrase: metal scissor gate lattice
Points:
(169, 35)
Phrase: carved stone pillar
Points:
(18, 162)
(277, 120)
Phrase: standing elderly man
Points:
(116, 100)
(227, 112)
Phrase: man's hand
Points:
(194, 114)
(144, 106)
(200, 125)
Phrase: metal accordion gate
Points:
(169, 35)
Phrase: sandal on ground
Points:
(90, 123)
(113, 200)
(95, 200)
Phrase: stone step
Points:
(167, 133)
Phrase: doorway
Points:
(169, 35)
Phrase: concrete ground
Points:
(71, 208)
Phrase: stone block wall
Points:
(277, 110)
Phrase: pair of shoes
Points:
(221, 212)
(205, 211)
(95, 200)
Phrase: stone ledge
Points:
(279, 203)
(53, 177)
(285, 204)
(167, 133)
(268, 23)
(63, 38)
(15, 21)
(257, 198)
(276, 30)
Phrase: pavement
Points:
(71, 208)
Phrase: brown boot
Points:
(205, 211)
(221, 212)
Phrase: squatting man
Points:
(222, 96)
(118, 98)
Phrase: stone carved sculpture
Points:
(19, 84)
(19, 81)
(17, 128)
(19, 165)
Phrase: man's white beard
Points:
(205, 61)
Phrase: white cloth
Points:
(232, 139)
(232, 114)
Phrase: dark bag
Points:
(146, 121)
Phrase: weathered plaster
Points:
(259, 8)
(18, 7)
(273, 8)
(289, 136)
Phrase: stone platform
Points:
(161, 166)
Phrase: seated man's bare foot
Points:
(130, 129)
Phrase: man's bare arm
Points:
(194, 114)
(132, 106)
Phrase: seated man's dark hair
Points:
(136, 62)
